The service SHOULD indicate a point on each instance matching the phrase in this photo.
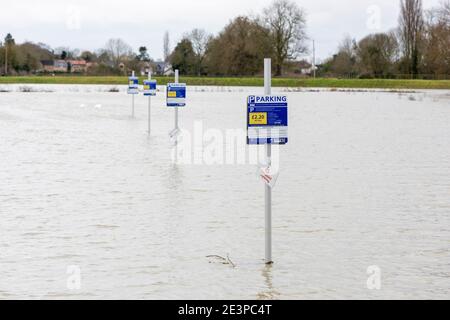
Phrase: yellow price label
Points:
(258, 118)
(172, 94)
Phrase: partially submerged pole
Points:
(132, 97)
(149, 107)
(268, 189)
(177, 80)
(176, 98)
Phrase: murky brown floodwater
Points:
(365, 182)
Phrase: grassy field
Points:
(248, 82)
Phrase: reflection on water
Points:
(269, 293)
(364, 182)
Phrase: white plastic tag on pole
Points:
(269, 176)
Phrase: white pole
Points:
(149, 107)
(268, 189)
(132, 99)
(177, 79)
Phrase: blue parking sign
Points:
(150, 88)
(267, 120)
(176, 95)
(133, 85)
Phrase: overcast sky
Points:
(88, 24)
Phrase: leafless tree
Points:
(411, 31)
(287, 23)
(444, 12)
(117, 51)
(436, 58)
(166, 46)
(344, 62)
(69, 53)
(348, 46)
(200, 40)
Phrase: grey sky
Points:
(88, 24)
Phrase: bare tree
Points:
(436, 57)
(348, 46)
(166, 46)
(411, 33)
(444, 12)
(287, 23)
(344, 62)
(200, 40)
(117, 51)
(67, 53)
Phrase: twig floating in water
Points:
(225, 261)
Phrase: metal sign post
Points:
(149, 107)
(268, 189)
(150, 91)
(177, 80)
(267, 124)
(132, 97)
(176, 98)
(133, 89)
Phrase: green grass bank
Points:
(247, 82)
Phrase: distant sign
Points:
(267, 120)
(176, 95)
(133, 85)
(150, 87)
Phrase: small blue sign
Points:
(176, 95)
(150, 88)
(133, 85)
(267, 120)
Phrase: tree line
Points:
(116, 58)
(278, 32)
(419, 46)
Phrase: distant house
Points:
(47, 65)
(304, 67)
(73, 66)
(60, 66)
(78, 66)
(145, 68)
(309, 70)
(163, 69)
(54, 66)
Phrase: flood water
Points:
(365, 181)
